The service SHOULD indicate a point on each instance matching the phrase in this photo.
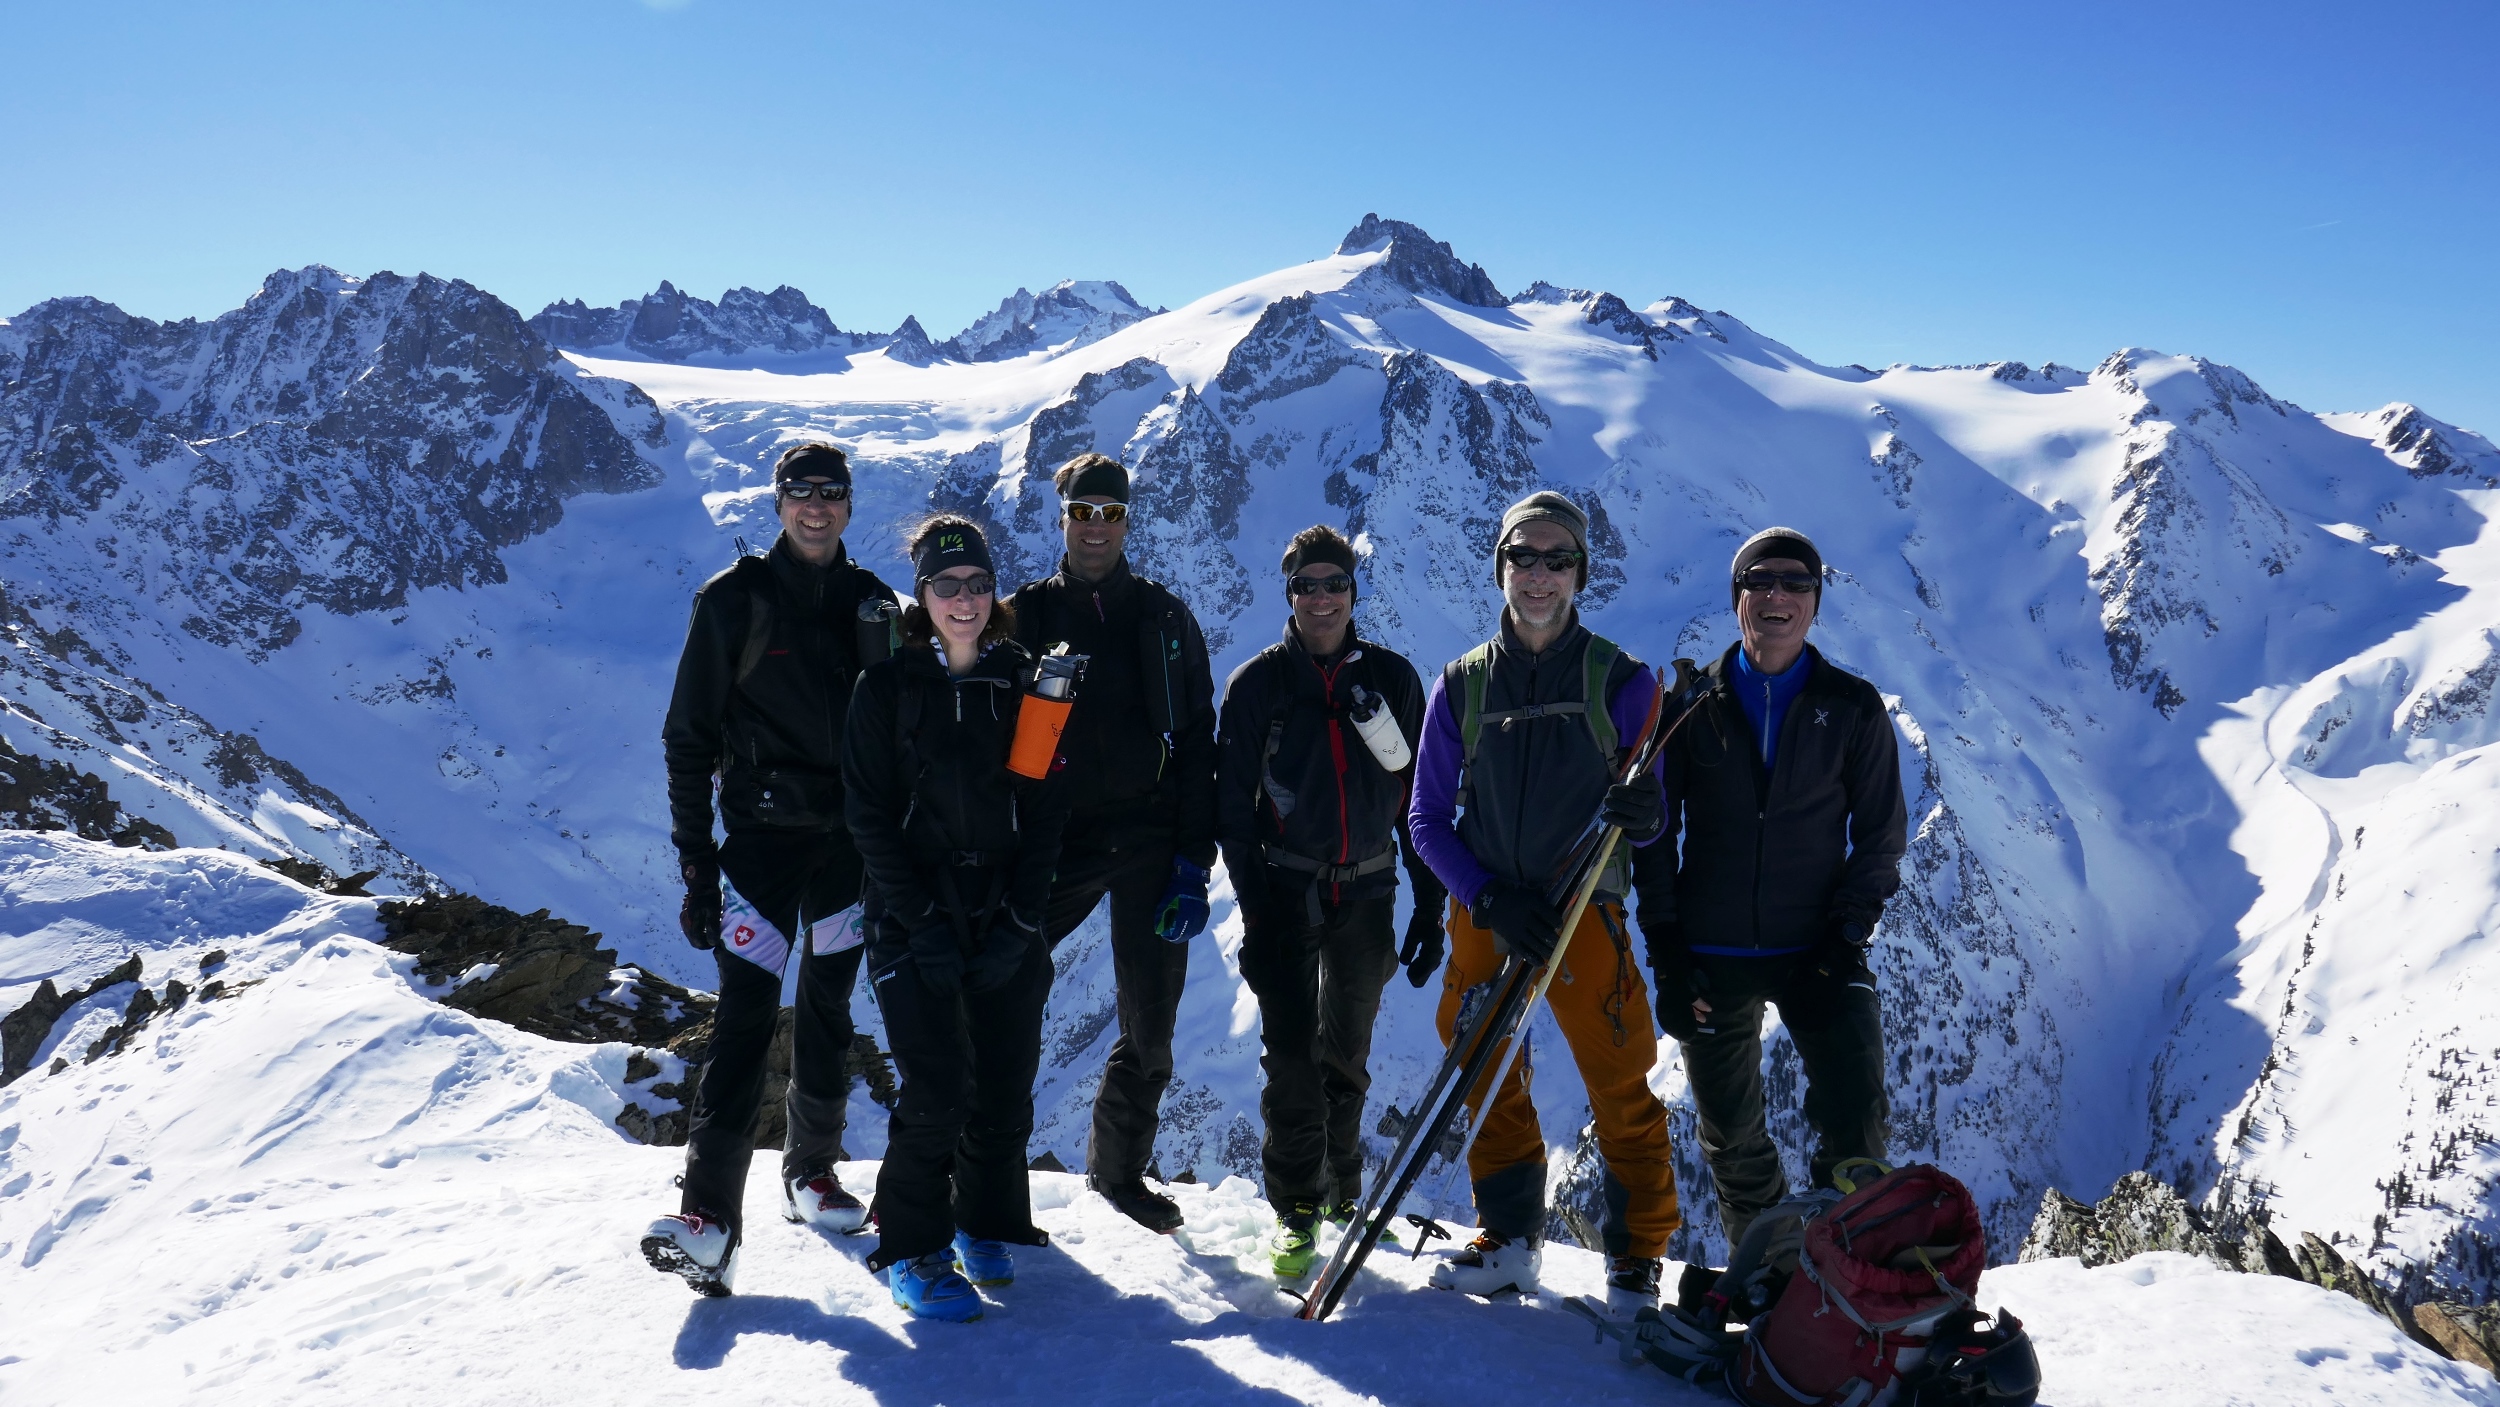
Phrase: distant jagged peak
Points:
(1070, 313)
(1420, 263)
(669, 324)
(2184, 389)
(2427, 446)
(910, 345)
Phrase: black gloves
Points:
(938, 953)
(1637, 807)
(1425, 943)
(698, 914)
(1004, 946)
(1521, 920)
(1843, 956)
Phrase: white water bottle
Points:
(1379, 730)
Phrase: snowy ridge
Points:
(2116, 612)
(323, 1187)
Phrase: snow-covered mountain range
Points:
(2195, 685)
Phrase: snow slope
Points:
(325, 1188)
(2162, 649)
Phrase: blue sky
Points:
(2308, 192)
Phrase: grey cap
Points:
(1545, 505)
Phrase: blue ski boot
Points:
(929, 1287)
(984, 1262)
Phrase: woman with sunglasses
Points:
(959, 853)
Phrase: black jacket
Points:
(1140, 744)
(1294, 777)
(773, 738)
(1778, 860)
(947, 833)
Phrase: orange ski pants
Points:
(1602, 1006)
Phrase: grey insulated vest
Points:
(1536, 772)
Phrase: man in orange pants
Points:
(1522, 737)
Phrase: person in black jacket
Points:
(762, 689)
(1311, 819)
(959, 853)
(1140, 759)
(1786, 786)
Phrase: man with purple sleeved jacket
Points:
(1521, 740)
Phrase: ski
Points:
(1473, 1048)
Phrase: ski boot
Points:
(701, 1250)
(1297, 1241)
(1631, 1285)
(930, 1288)
(1489, 1265)
(1341, 1216)
(1141, 1204)
(984, 1262)
(815, 1198)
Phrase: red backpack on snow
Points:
(1878, 1274)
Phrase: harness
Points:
(1475, 676)
(1283, 801)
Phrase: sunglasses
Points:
(1337, 585)
(947, 588)
(1088, 512)
(1558, 559)
(1794, 583)
(830, 493)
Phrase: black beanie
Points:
(1775, 542)
(813, 460)
(946, 546)
(1089, 475)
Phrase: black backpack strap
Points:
(756, 575)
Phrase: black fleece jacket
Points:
(1780, 859)
(919, 805)
(775, 738)
(1124, 774)
(1341, 806)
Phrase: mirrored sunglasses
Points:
(830, 493)
(1088, 512)
(1336, 585)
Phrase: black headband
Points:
(1104, 478)
(948, 547)
(812, 462)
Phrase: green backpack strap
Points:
(1475, 670)
(1598, 662)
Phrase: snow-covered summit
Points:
(1419, 262)
(1070, 313)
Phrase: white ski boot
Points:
(1489, 1265)
(1631, 1285)
(816, 1198)
(696, 1249)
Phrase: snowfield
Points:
(322, 1187)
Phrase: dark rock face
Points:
(1287, 350)
(335, 443)
(1421, 263)
(22, 1032)
(672, 326)
(2466, 1333)
(41, 795)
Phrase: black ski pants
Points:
(1133, 869)
(1837, 1027)
(1319, 992)
(793, 878)
(955, 1143)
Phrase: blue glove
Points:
(1181, 914)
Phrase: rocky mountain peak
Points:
(1070, 313)
(1420, 263)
